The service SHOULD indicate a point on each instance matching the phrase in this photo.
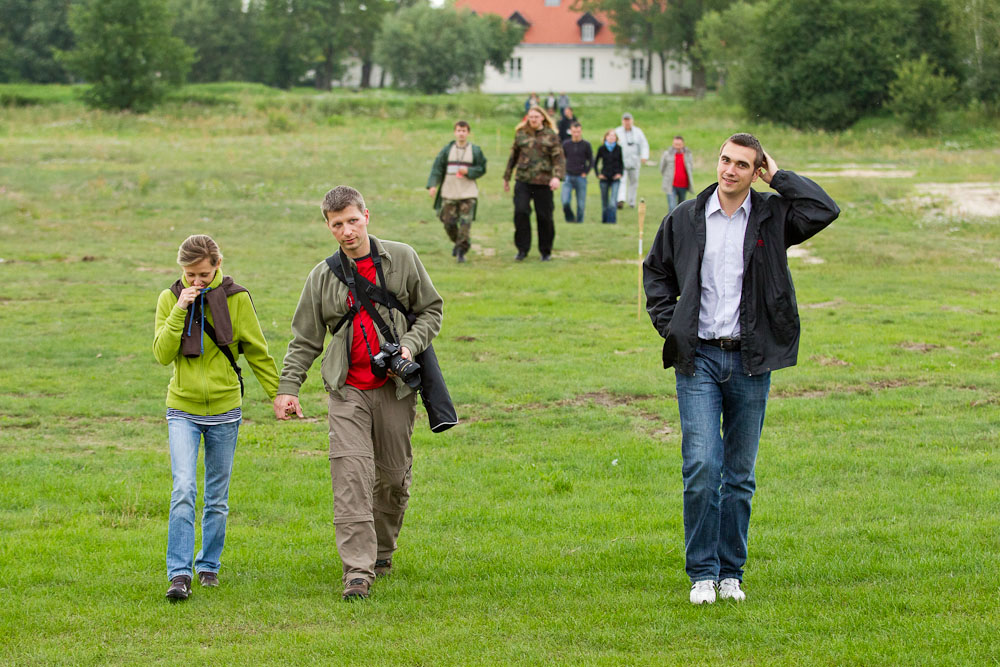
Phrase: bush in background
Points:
(919, 94)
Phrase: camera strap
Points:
(210, 332)
(361, 295)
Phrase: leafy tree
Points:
(30, 31)
(436, 49)
(978, 37)
(220, 32)
(826, 63)
(125, 50)
(728, 39)
(919, 93)
(666, 28)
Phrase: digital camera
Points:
(390, 359)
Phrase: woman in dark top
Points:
(609, 166)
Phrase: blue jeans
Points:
(220, 447)
(675, 197)
(578, 183)
(609, 204)
(719, 463)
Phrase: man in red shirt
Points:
(371, 413)
(676, 167)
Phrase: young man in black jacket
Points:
(579, 158)
(725, 253)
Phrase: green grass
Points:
(546, 527)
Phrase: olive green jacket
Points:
(324, 302)
(440, 168)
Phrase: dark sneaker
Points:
(208, 579)
(383, 567)
(454, 251)
(520, 256)
(461, 256)
(546, 258)
(621, 205)
(180, 587)
(356, 589)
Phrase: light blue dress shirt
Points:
(722, 270)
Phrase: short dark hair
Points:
(340, 198)
(575, 123)
(747, 141)
(677, 136)
(462, 123)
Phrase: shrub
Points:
(919, 94)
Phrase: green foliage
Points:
(726, 38)
(977, 24)
(221, 35)
(826, 63)
(125, 50)
(919, 94)
(30, 33)
(434, 50)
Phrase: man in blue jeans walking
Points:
(579, 159)
(725, 253)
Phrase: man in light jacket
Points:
(635, 151)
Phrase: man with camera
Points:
(719, 291)
(369, 374)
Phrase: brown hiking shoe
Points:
(383, 567)
(356, 589)
(180, 587)
(208, 579)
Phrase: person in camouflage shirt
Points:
(452, 183)
(537, 155)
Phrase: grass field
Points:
(546, 527)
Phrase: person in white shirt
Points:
(635, 151)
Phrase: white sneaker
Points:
(729, 589)
(703, 592)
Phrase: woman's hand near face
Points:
(187, 297)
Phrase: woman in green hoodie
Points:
(204, 321)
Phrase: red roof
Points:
(548, 25)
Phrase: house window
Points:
(587, 69)
(587, 32)
(514, 69)
(551, 3)
(638, 69)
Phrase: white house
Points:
(569, 51)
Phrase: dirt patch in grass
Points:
(804, 253)
(829, 361)
(979, 200)
(918, 347)
(874, 171)
(836, 303)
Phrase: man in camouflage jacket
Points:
(538, 157)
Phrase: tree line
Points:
(805, 63)
(133, 50)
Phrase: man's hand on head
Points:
(768, 169)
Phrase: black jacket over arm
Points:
(769, 318)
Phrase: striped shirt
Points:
(233, 415)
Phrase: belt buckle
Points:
(729, 344)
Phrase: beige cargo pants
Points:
(370, 462)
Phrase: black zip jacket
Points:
(609, 163)
(769, 317)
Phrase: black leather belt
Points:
(722, 343)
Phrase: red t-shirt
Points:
(680, 171)
(359, 373)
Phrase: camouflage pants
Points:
(456, 214)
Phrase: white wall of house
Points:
(352, 75)
(558, 68)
